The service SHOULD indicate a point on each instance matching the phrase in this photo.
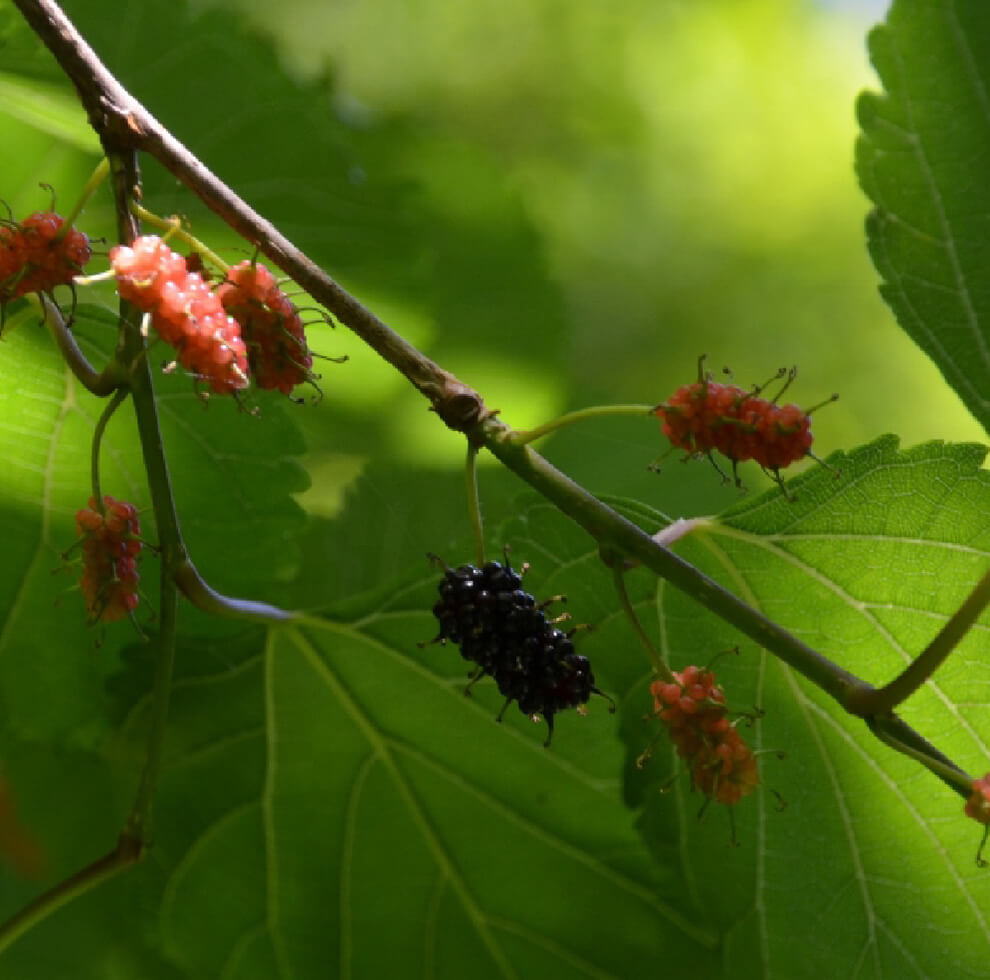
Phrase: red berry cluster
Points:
(39, 254)
(110, 549)
(705, 415)
(692, 706)
(185, 311)
(270, 326)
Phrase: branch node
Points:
(460, 408)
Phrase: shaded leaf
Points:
(73, 803)
(362, 817)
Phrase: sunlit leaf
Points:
(872, 857)
(925, 143)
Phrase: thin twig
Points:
(140, 820)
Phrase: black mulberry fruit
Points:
(501, 628)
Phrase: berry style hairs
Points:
(705, 415)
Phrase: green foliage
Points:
(924, 143)
(863, 568)
(331, 803)
(339, 791)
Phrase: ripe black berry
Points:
(500, 627)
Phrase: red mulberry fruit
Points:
(110, 550)
(185, 312)
(692, 707)
(39, 254)
(705, 416)
(270, 326)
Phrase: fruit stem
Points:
(173, 228)
(521, 437)
(660, 667)
(92, 185)
(127, 852)
(474, 504)
(884, 699)
(103, 383)
(98, 430)
(194, 587)
(923, 752)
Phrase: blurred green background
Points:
(613, 189)
(562, 203)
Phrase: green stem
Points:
(139, 822)
(474, 504)
(915, 747)
(660, 667)
(98, 431)
(521, 437)
(196, 590)
(614, 532)
(886, 698)
(173, 226)
(113, 376)
(127, 852)
(96, 178)
(126, 178)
